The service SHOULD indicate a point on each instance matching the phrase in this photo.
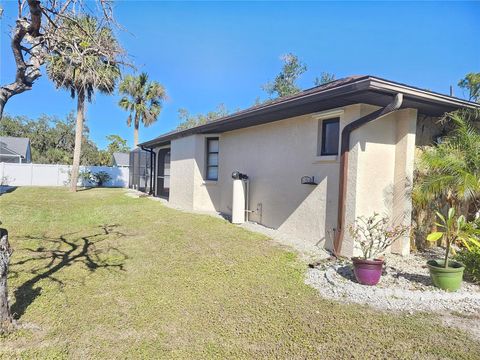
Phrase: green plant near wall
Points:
(447, 174)
(101, 178)
(455, 229)
(450, 170)
(471, 260)
(85, 177)
(374, 234)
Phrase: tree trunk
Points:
(6, 92)
(6, 320)
(27, 70)
(3, 101)
(135, 131)
(78, 141)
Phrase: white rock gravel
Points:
(405, 286)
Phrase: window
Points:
(329, 137)
(212, 158)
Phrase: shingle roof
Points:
(14, 145)
(349, 90)
(121, 159)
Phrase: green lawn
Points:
(97, 274)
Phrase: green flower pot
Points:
(448, 279)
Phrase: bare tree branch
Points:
(38, 33)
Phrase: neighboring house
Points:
(15, 150)
(354, 139)
(121, 159)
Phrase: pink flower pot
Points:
(367, 272)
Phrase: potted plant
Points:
(374, 235)
(448, 274)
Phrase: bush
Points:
(101, 177)
(85, 177)
(471, 260)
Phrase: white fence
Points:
(55, 175)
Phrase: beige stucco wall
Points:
(188, 189)
(403, 176)
(380, 172)
(206, 193)
(275, 156)
(182, 172)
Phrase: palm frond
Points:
(85, 58)
(145, 98)
(451, 169)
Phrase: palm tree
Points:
(87, 62)
(447, 175)
(450, 171)
(143, 99)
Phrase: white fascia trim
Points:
(425, 94)
(328, 114)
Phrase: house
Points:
(315, 160)
(15, 150)
(120, 159)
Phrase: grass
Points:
(97, 274)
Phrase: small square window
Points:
(330, 131)
(212, 159)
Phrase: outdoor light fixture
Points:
(308, 180)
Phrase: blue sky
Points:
(222, 52)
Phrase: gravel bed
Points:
(405, 286)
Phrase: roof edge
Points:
(377, 83)
(358, 83)
(276, 104)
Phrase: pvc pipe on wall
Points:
(238, 202)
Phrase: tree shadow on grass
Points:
(86, 188)
(62, 252)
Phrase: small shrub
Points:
(101, 177)
(374, 234)
(4, 180)
(471, 260)
(456, 230)
(85, 177)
